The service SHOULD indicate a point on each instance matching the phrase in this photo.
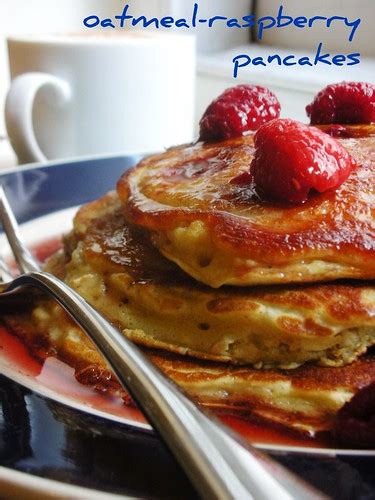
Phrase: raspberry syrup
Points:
(57, 376)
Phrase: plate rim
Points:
(68, 161)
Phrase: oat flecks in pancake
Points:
(220, 232)
(114, 266)
(306, 399)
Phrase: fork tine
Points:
(25, 260)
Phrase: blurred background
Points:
(294, 86)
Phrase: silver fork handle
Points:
(218, 462)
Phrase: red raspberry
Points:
(355, 422)
(237, 111)
(346, 102)
(291, 159)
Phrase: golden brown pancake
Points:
(213, 224)
(306, 399)
(116, 268)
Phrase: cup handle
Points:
(19, 111)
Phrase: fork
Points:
(219, 462)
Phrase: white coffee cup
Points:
(85, 94)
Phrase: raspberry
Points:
(346, 102)
(291, 159)
(237, 111)
(355, 422)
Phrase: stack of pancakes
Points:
(272, 305)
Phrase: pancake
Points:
(116, 268)
(208, 218)
(306, 399)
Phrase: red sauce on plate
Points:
(56, 376)
(17, 354)
(47, 248)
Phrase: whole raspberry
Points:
(237, 111)
(291, 159)
(355, 422)
(346, 102)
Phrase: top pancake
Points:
(215, 226)
(115, 268)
